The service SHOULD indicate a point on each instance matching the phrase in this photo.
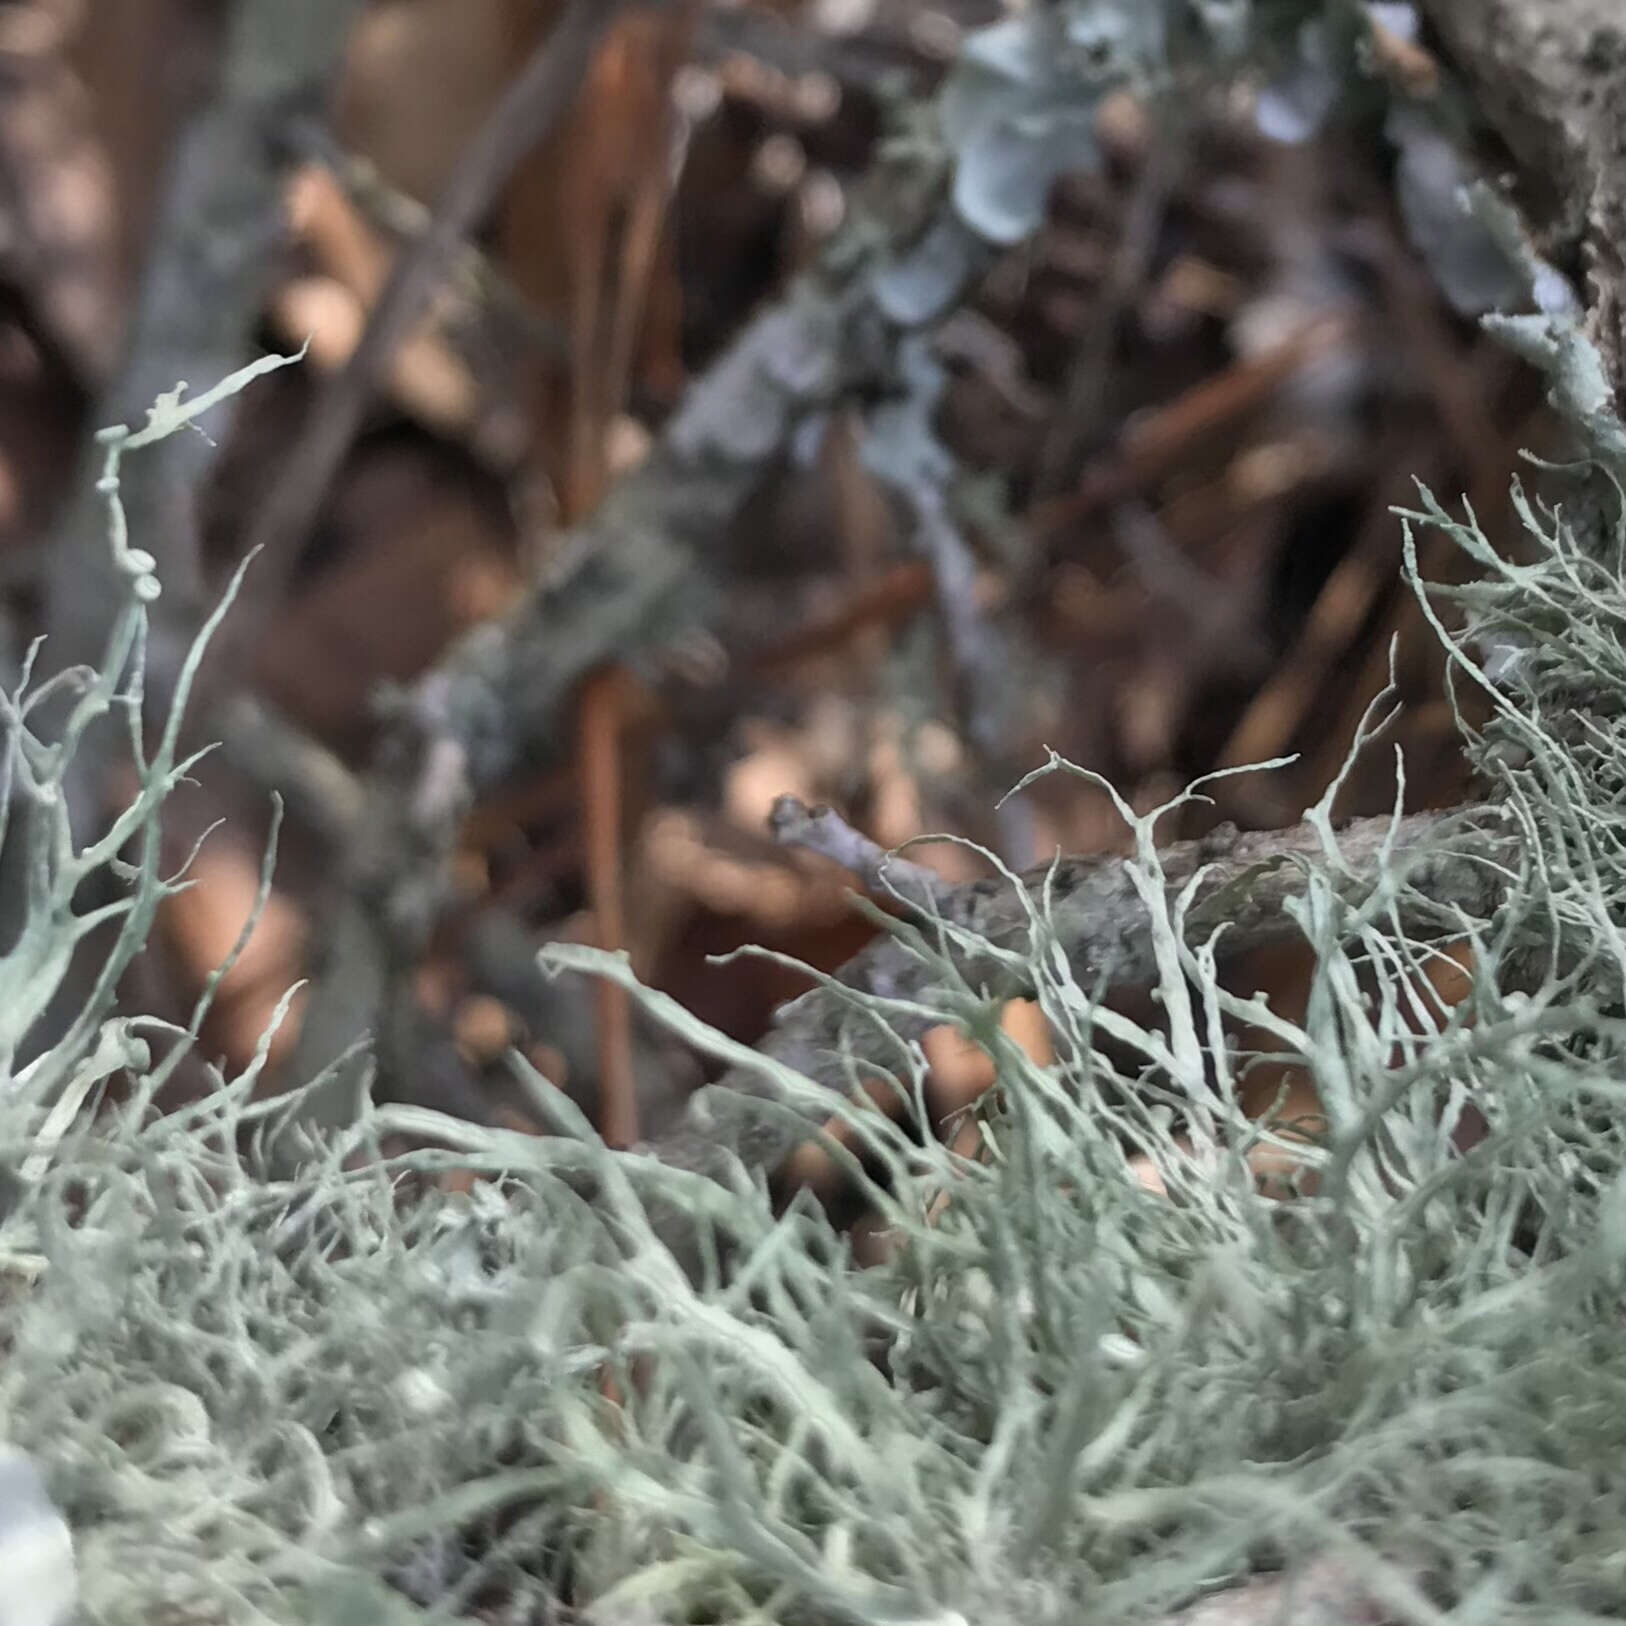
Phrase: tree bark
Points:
(1550, 77)
(1454, 864)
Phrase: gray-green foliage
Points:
(1067, 1398)
(351, 1396)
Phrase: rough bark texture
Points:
(1103, 927)
(1550, 76)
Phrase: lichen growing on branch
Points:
(347, 1391)
(1067, 1396)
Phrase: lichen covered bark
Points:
(1550, 77)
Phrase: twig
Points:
(894, 596)
(981, 657)
(901, 447)
(633, 577)
(822, 830)
(623, 583)
(203, 287)
(1101, 925)
(531, 106)
(600, 725)
(321, 792)
(1151, 446)
(646, 221)
(202, 290)
(1217, 610)
(1341, 608)
(1084, 393)
(407, 221)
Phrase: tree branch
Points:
(1453, 864)
(529, 109)
(822, 830)
(1551, 79)
(201, 294)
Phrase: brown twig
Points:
(646, 220)
(1152, 445)
(404, 220)
(600, 725)
(541, 796)
(895, 596)
(1084, 393)
(1341, 609)
(531, 106)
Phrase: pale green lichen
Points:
(346, 1395)
(1066, 1398)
